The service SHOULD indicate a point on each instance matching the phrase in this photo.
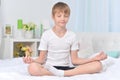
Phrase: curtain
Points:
(114, 18)
(95, 15)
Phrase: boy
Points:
(56, 45)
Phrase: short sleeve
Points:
(43, 42)
(75, 43)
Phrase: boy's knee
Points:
(33, 69)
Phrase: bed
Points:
(15, 69)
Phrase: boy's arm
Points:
(76, 60)
(42, 57)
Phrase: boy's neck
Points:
(59, 29)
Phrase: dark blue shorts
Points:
(64, 67)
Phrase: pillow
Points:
(114, 54)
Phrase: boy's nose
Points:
(63, 18)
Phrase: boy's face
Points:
(60, 19)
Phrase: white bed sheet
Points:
(15, 69)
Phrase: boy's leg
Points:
(36, 69)
(88, 68)
(92, 67)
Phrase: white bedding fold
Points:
(15, 69)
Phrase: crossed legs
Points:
(36, 69)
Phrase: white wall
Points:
(27, 10)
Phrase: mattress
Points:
(16, 69)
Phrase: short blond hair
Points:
(61, 7)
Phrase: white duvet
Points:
(15, 69)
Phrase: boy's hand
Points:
(27, 59)
(100, 56)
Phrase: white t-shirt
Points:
(58, 48)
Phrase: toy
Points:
(27, 51)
